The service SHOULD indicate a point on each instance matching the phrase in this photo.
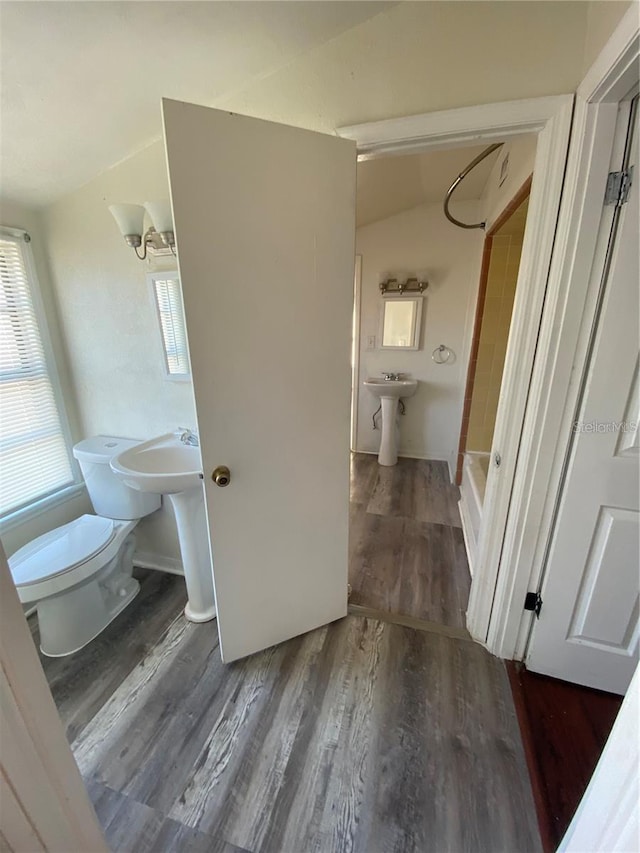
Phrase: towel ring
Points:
(441, 354)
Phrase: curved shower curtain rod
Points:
(458, 180)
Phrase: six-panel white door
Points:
(264, 216)
(588, 627)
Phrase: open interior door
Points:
(588, 627)
(264, 216)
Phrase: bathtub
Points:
(472, 488)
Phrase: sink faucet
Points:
(391, 377)
(188, 437)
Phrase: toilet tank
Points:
(109, 495)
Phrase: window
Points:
(35, 461)
(167, 298)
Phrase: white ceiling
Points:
(392, 184)
(82, 81)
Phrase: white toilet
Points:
(80, 574)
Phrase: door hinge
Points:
(618, 186)
(533, 601)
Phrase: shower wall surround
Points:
(506, 249)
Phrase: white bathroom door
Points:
(588, 627)
(264, 216)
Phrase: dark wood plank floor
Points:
(361, 736)
(81, 683)
(564, 727)
(407, 554)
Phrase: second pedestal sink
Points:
(389, 391)
(169, 466)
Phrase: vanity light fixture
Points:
(411, 285)
(130, 221)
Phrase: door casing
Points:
(582, 568)
(550, 119)
(578, 258)
(355, 354)
(45, 805)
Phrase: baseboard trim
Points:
(467, 533)
(452, 473)
(430, 457)
(158, 562)
(410, 455)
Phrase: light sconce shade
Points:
(160, 214)
(130, 218)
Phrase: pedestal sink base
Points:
(188, 508)
(388, 453)
(389, 391)
(170, 466)
(204, 616)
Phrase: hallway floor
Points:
(359, 736)
(564, 728)
(407, 554)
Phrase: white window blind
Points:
(168, 299)
(34, 454)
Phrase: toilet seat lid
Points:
(61, 549)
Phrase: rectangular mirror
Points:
(400, 323)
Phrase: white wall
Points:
(108, 321)
(421, 241)
(106, 314)
(602, 19)
(417, 57)
(14, 537)
(495, 198)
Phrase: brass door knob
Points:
(221, 476)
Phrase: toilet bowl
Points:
(80, 574)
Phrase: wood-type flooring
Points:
(564, 728)
(361, 736)
(407, 554)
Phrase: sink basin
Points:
(167, 466)
(162, 465)
(394, 388)
(389, 392)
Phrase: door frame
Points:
(578, 260)
(601, 289)
(534, 418)
(550, 118)
(355, 353)
(45, 805)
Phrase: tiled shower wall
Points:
(506, 249)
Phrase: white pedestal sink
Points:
(167, 466)
(389, 391)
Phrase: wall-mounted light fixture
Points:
(130, 220)
(411, 285)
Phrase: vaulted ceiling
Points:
(392, 184)
(82, 81)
